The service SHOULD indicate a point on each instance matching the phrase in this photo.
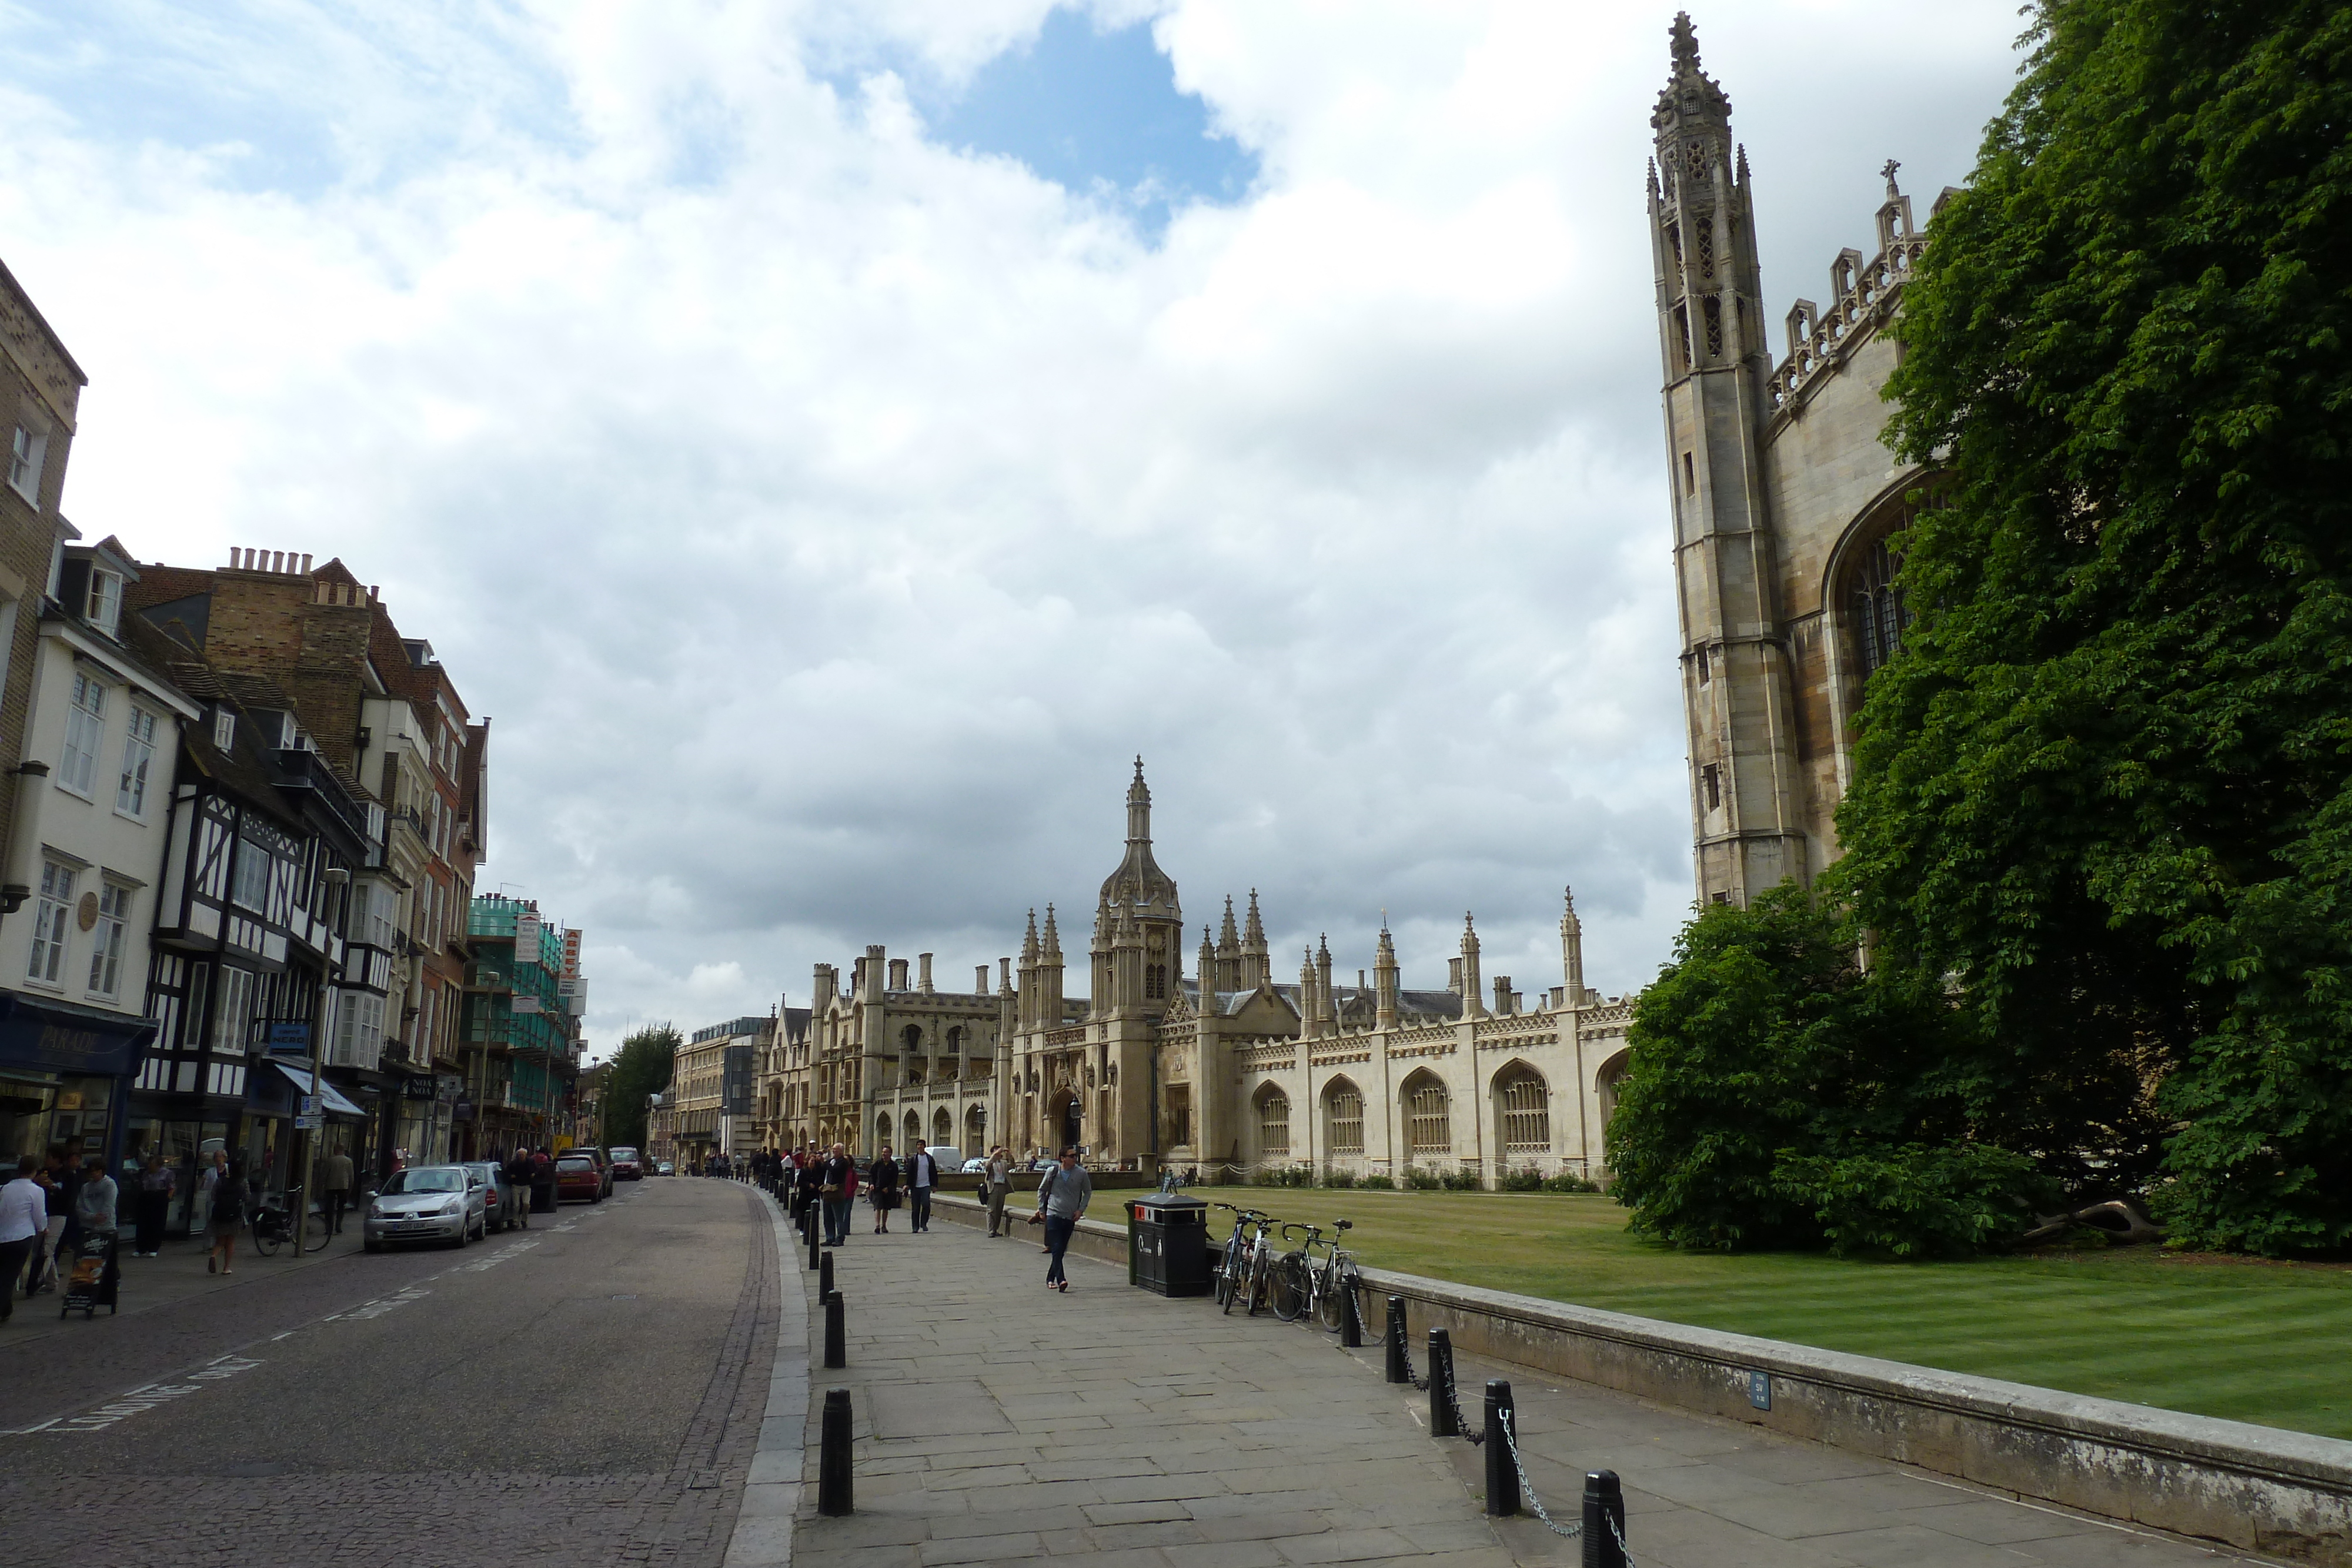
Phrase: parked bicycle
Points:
(273, 1223)
(1244, 1267)
(1304, 1286)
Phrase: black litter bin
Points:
(1171, 1244)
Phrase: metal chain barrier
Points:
(1461, 1422)
(1511, 1441)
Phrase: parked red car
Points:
(627, 1166)
(576, 1175)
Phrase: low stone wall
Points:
(1092, 1238)
(2258, 1488)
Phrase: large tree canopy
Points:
(2106, 789)
(641, 1068)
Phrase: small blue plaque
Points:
(1760, 1390)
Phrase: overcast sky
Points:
(832, 441)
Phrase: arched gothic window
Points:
(1155, 982)
(1428, 1116)
(1527, 1114)
(1879, 615)
(1273, 1124)
(1343, 1107)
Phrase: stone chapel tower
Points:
(1736, 689)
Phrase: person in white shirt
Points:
(23, 1216)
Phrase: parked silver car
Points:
(507, 1205)
(427, 1203)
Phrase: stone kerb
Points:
(2254, 1487)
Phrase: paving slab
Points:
(996, 1421)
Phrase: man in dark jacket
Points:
(809, 1178)
(922, 1180)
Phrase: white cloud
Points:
(826, 517)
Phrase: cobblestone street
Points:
(586, 1391)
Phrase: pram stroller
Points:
(94, 1280)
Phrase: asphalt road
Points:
(587, 1390)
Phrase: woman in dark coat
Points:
(882, 1189)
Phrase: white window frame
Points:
(85, 735)
(255, 865)
(104, 608)
(138, 759)
(224, 729)
(233, 992)
(107, 939)
(52, 920)
(27, 448)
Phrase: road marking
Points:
(145, 1397)
(510, 1251)
(380, 1306)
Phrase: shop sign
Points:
(418, 1086)
(290, 1037)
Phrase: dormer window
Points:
(104, 609)
(25, 447)
(224, 729)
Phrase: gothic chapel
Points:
(1783, 502)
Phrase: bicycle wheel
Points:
(264, 1238)
(1332, 1302)
(315, 1233)
(1229, 1276)
(1289, 1287)
(1260, 1268)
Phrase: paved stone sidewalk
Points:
(996, 1421)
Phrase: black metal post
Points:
(836, 1350)
(1351, 1321)
(1502, 1476)
(1400, 1370)
(832, 1486)
(815, 1244)
(1442, 1423)
(824, 1276)
(1604, 1521)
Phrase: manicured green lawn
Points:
(2249, 1340)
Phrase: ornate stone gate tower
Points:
(1745, 792)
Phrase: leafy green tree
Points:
(2105, 788)
(640, 1069)
(1779, 1095)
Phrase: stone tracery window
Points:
(1428, 1125)
(1527, 1114)
(1879, 613)
(1273, 1124)
(1343, 1106)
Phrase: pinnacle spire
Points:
(1685, 43)
(1253, 932)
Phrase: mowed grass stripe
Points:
(2246, 1341)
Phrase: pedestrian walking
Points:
(226, 1185)
(335, 1183)
(811, 1179)
(882, 1188)
(998, 1180)
(838, 1191)
(156, 1184)
(23, 1221)
(922, 1177)
(63, 1180)
(1062, 1200)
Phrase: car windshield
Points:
(625, 1154)
(569, 1164)
(437, 1178)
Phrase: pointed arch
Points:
(1273, 1121)
(975, 1131)
(943, 1126)
(1523, 1109)
(1343, 1116)
(1605, 1081)
(911, 1128)
(1428, 1115)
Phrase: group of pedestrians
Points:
(47, 1212)
(829, 1180)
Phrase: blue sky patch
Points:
(1087, 108)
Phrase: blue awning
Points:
(276, 1095)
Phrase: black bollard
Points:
(1400, 1370)
(1351, 1321)
(816, 1248)
(825, 1277)
(833, 1488)
(836, 1350)
(1502, 1475)
(1604, 1521)
(1442, 1423)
